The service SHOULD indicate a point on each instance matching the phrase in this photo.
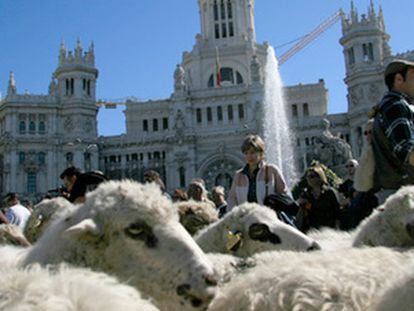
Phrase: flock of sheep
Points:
(126, 249)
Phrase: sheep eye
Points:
(135, 230)
(257, 230)
(262, 233)
(141, 231)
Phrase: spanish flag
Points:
(218, 69)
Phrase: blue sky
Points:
(139, 42)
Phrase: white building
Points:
(196, 132)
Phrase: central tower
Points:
(227, 21)
(227, 42)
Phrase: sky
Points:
(139, 42)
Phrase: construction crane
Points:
(304, 41)
(310, 37)
(113, 103)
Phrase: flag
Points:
(218, 69)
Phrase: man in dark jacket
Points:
(393, 140)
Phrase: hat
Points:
(396, 66)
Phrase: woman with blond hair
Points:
(319, 204)
(256, 179)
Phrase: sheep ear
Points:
(85, 226)
(234, 241)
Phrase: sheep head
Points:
(391, 224)
(251, 228)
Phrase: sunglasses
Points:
(313, 175)
(349, 166)
(367, 132)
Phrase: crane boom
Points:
(310, 37)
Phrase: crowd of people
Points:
(386, 164)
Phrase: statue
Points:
(179, 125)
(255, 69)
(179, 75)
(331, 150)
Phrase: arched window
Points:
(227, 74)
(230, 112)
(32, 127)
(88, 157)
(22, 157)
(42, 127)
(31, 182)
(72, 86)
(22, 127)
(219, 113)
(209, 114)
(198, 114)
(239, 78)
(155, 125)
(241, 111)
(181, 172)
(223, 19)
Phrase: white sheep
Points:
(391, 224)
(12, 234)
(251, 228)
(195, 215)
(66, 289)
(43, 215)
(132, 231)
(348, 279)
(397, 294)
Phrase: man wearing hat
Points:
(393, 131)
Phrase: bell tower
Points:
(76, 74)
(366, 50)
(226, 21)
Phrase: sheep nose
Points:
(314, 247)
(210, 279)
(410, 229)
(183, 289)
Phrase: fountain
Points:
(278, 135)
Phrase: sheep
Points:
(65, 288)
(250, 228)
(12, 234)
(195, 215)
(398, 294)
(347, 279)
(43, 215)
(391, 224)
(132, 231)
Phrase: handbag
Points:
(283, 204)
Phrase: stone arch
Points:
(219, 170)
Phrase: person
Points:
(319, 204)
(218, 197)
(347, 193)
(77, 184)
(393, 130)
(179, 195)
(364, 173)
(3, 218)
(347, 187)
(69, 177)
(249, 183)
(197, 191)
(153, 176)
(364, 200)
(16, 213)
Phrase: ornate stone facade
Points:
(197, 132)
